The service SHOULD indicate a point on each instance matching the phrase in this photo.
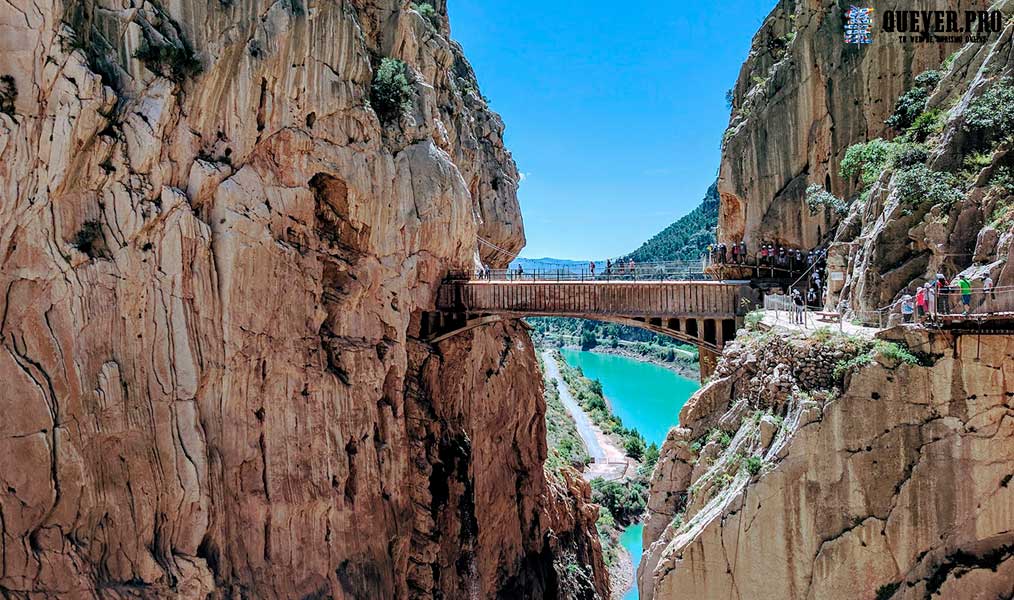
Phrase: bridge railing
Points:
(707, 299)
(654, 271)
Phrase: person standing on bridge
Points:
(735, 253)
(931, 299)
(630, 266)
(966, 294)
(591, 267)
(987, 288)
(609, 267)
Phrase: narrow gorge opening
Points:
(612, 394)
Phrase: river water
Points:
(647, 397)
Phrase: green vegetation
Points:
(609, 533)
(883, 348)
(1002, 215)
(817, 197)
(946, 65)
(912, 103)
(909, 156)
(89, 238)
(920, 185)
(625, 499)
(428, 12)
(391, 92)
(565, 445)
(887, 590)
(634, 447)
(867, 160)
(169, 60)
(8, 94)
(722, 437)
(926, 124)
(588, 393)
(590, 334)
(649, 461)
(753, 319)
(1003, 180)
(753, 464)
(685, 239)
(991, 115)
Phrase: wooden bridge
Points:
(703, 313)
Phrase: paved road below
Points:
(584, 425)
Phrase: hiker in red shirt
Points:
(920, 302)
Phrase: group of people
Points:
(934, 297)
(769, 255)
(619, 268)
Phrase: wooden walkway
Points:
(703, 313)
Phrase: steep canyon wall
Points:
(213, 258)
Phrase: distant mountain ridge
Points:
(687, 238)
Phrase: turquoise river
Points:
(647, 397)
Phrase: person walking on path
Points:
(797, 307)
(920, 302)
(591, 267)
(942, 289)
(630, 267)
(987, 288)
(907, 308)
(966, 294)
(609, 267)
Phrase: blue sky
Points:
(614, 111)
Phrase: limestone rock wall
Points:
(888, 244)
(801, 99)
(213, 258)
(897, 486)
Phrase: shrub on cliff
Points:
(912, 103)
(391, 92)
(867, 160)
(168, 60)
(8, 94)
(991, 115)
(428, 12)
(817, 197)
(89, 239)
(921, 185)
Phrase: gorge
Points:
(224, 224)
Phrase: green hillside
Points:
(687, 238)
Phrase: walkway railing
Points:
(948, 307)
(654, 271)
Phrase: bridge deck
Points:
(698, 299)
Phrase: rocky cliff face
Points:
(214, 259)
(801, 99)
(792, 479)
(837, 467)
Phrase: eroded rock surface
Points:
(213, 260)
(802, 98)
(897, 484)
